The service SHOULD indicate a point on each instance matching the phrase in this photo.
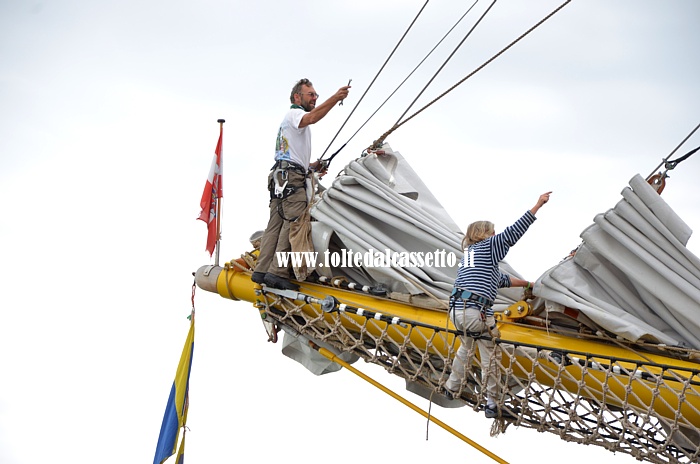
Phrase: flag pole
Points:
(218, 198)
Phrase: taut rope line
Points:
(376, 76)
(378, 143)
(663, 161)
(448, 59)
(413, 71)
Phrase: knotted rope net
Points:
(643, 409)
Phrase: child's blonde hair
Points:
(476, 232)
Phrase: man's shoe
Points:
(281, 283)
(258, 277)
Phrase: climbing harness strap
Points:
(289, 165)
(279, 187)
(460, 294)
(473, 334)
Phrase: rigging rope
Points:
(459, 45)
(406, 78)
(665, 160)
(378, 143)
(375, 77)
(675, 162)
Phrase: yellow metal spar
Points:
(331, 356)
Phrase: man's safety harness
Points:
(279, 184)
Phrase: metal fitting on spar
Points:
(230, 281)
(207, 276)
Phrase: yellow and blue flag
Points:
(176, 408)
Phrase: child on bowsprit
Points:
(475, 288)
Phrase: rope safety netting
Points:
(644, 409)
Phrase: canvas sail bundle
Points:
(633, 274)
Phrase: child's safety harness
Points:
(466, 295)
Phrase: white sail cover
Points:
(632, 275)
(379, 203)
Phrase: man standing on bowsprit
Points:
(287, 180)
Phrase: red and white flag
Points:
(212, 192)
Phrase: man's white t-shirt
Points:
(294, 144)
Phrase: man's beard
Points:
(306, 105)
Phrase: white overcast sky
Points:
(107, 128)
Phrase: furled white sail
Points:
(633, 274)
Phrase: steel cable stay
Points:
(658, 180)
(378, 143)
(674, 163)
(665, 160)
(459, 45)
(402, 83)
(375, 78)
